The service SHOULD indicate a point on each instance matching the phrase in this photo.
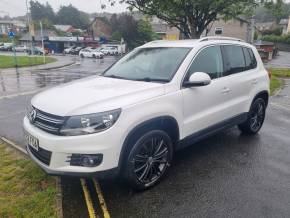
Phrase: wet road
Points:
(17, 86)
(227, 175)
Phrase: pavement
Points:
(227, 175)
(281, 61)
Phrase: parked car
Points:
(69, 49)
(36, 51)
(6, 47)
(21, 48)
(110, 51)
(90, 53)
(76, 50)
(161, 97)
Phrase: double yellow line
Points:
(89, 202)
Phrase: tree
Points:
(144, 32)
(69, 15)
(116, 36)
(277, 9)
(41, 11)
(192, 17)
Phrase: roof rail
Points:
(207, 38)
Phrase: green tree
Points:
(192, 17)
(144, 32)
(42, 11)
(278, 9)
(116, 36)
(69, 15)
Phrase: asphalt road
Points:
(227, 175)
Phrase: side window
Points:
(209, 61)
(250, 59)
(234, 60)
(253, 59)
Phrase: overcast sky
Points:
(18, 7)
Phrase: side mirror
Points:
(197, 79)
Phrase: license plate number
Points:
(32, 141)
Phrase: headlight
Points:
(90, 123)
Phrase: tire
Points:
(82, 56)
(94, 56)
(148, 160)
(256, 117)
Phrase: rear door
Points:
(240, 71)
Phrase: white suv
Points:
(163, 96)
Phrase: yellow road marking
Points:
(101, 199)
(92, 213)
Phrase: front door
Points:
(205, 106)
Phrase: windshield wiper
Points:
(148, 79)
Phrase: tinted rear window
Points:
(234, 61)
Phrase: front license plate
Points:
(32, 141)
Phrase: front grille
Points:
(48, 122)
(43, 155)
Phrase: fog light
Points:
(86, 160)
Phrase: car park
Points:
(91, 53)
(161, 97)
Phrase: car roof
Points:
(190, 43)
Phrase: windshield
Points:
(148, 64)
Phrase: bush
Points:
(276, 31)
(274, 38)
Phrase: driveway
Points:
(227, 175)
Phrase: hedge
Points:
(274, 38)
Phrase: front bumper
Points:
(62, 147)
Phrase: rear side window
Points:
(209, 61)
(250, 59)
(234, 61)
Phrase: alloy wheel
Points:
(151, 160)
(257, 117)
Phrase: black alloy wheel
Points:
(256, 117)
(149, 159)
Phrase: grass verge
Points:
(276, 83)
(25, 191)
(23, 61)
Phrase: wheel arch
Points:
(165, 123)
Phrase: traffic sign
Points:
(11, 34)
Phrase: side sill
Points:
(212, 130)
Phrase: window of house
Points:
(234, 61)
(209, 61)
(218, 31)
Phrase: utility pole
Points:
(29, 26)
(43, 52)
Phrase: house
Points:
(237, 28)
(98, 28)
(265, 26)
(15, 25)
(163, 30)
(37, 36)
(64, 28)
(285, 24)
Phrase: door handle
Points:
(254, 81)
(225, 90)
